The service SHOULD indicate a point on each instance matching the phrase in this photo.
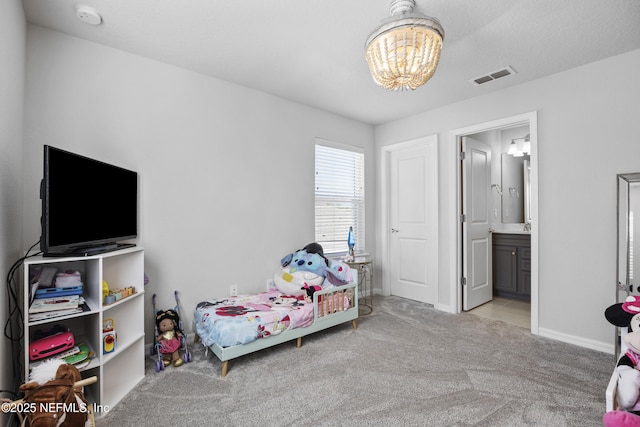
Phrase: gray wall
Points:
(12, 58)
(226, 172)
(587, 133)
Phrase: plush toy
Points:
(170, 338)
(309, 291)
(626, 315)
(292, 283)
(55, 401)
(309, 267)
(339, 273)
(311, 258)
(309, 261)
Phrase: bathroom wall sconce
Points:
(520, 146)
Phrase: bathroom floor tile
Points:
(514, 312)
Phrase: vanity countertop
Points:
(509, 229)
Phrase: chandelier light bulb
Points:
(403, 52)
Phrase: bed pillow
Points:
(292, 283)
(338, 273)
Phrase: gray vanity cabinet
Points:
(512, 265)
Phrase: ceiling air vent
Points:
(503, 72)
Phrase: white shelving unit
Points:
(118, 372)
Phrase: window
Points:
(339, 194)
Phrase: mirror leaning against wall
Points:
(628, 245)
(628, 230)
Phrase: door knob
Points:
(393, 230)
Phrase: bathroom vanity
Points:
(512, 264)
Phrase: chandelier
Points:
(403, 52)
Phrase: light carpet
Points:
(406, 364)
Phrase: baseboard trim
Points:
(444, 307)
(581, 342)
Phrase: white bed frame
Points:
(324, 317)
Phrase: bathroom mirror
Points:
(516, 189)
(510, 172)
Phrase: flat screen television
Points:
(88, 206)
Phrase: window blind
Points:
(339, 198)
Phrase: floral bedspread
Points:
(242, 319)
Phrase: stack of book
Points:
(55, 294)
(56, 306)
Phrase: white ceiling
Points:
(312, 51)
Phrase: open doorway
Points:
(496, 210)
(512, 311)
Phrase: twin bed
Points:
(236, 326)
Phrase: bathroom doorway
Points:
(504, 216)
(512, 311)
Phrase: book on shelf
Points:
(40, 305)
(34, 317)
(44, 315)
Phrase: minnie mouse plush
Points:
(627, 314)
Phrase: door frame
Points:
(385, 241)
(455, 191)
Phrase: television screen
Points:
(88, 206)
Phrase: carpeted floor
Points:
(406, 364)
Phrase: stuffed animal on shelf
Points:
(309, 267)
(626, 315)
(170, 338)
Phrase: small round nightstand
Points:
(364, 267)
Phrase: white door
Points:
(413, 220)
(477, 267)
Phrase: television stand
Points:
(123, 367)
(91, 250)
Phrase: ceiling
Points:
(312, 52)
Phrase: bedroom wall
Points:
(226, 172)
(12, 58)
(587, 133)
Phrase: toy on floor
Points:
(626, 315)
(54, 396)
(169, 337)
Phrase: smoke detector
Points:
(88, 15)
